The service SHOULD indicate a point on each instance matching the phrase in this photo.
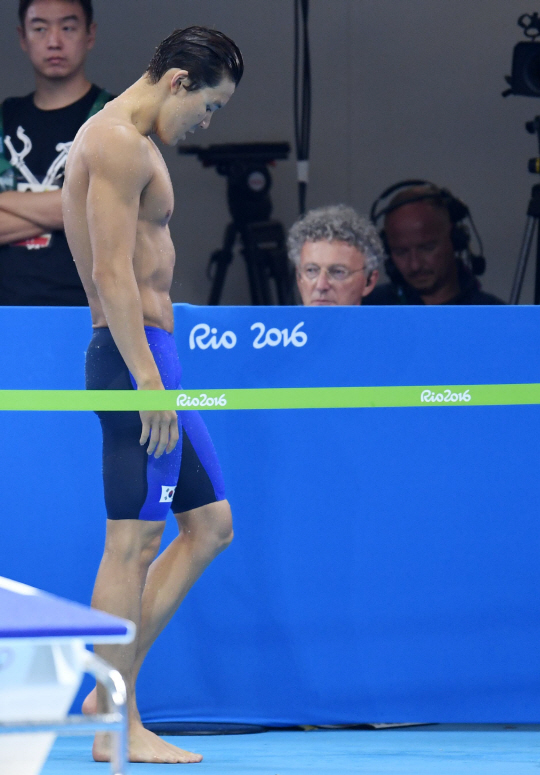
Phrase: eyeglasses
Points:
(336, 274)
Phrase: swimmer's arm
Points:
(14, 229)
(118, 173)
(42, 208)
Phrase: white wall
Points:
(401, 88)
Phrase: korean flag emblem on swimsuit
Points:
(167, 494)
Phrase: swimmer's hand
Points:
(161, 429)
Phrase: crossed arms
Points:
(27, 214)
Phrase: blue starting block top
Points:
(26, 612)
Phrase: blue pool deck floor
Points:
(443, 749)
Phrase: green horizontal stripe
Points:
(269, 398)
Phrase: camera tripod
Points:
(245, 166)
(265, 254)
(532, 224)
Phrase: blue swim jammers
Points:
(138, 485)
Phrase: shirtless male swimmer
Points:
(117, 200)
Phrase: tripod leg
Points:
(537, 276)
(267, 264)
(522, 261)
(262, 269)
(222, 258)
(284, 279)
(253, 273)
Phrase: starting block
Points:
(42, 662)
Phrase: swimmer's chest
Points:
(157, 198)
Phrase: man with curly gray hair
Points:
(336, 253)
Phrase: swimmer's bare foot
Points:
(89, 706)
(144, 746)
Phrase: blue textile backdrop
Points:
(385, 565)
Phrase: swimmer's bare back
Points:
(117, 201)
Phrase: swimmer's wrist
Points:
(150, 384)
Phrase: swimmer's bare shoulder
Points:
(107, 145)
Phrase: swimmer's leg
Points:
(130, 547)
(205, 529)
(205, 525)
(204, 533)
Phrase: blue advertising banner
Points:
(384, 566)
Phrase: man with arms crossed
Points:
(36, 131)
(117, 201)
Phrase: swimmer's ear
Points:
(179, 79)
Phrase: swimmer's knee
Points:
(133, 542)
(223, 524)
(150, 547)
(224, 537)
(219, 525)
(211, 523)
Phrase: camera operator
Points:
(424, 240)
(336, 253)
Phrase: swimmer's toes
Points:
(182, 757)
(145, 746)
(186, 757)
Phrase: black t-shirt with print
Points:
(41, 271)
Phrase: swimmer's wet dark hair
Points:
(86, 5)
(207, 55)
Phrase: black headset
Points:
(457, 211)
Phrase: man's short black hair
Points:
(86, 5)
(207, 55)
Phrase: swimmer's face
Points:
(185, 111)
(333, 274)
(56, 37)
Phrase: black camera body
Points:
(245, 165)
(525, 77)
